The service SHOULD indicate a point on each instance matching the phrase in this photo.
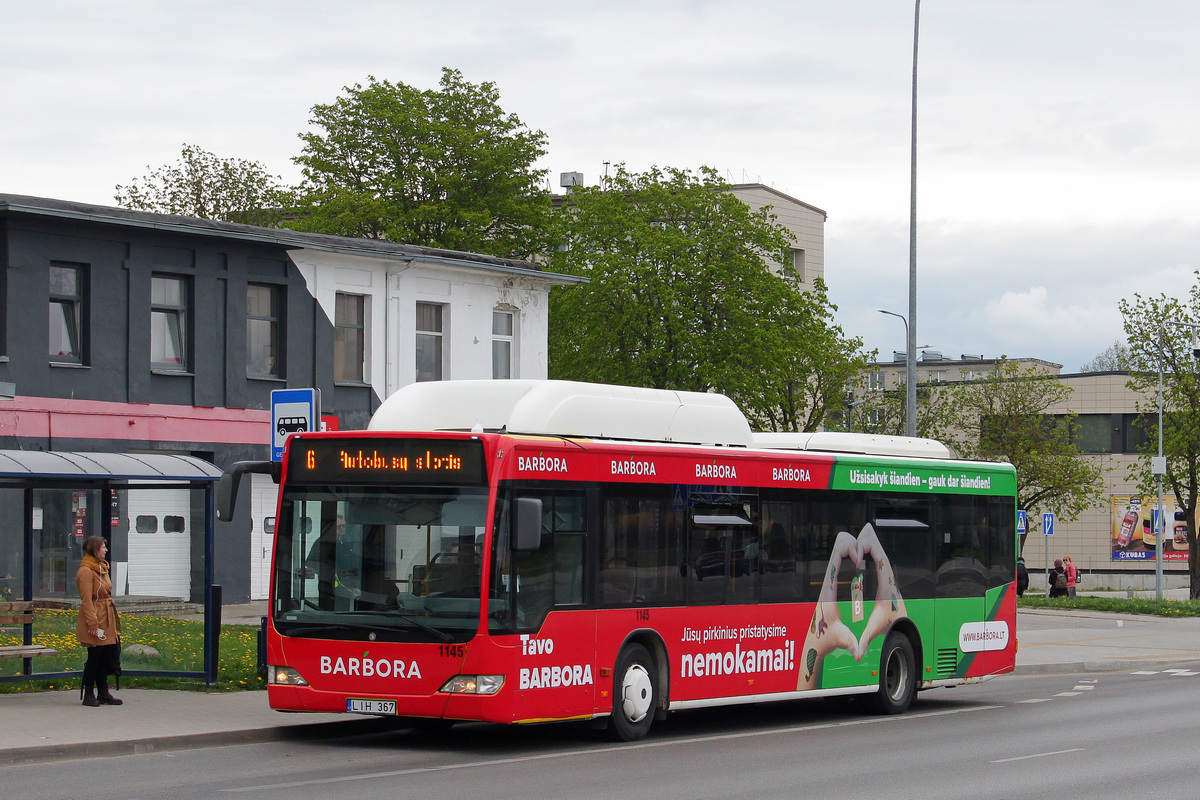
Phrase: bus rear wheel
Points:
(897, 676)
(635, 694)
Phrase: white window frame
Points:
(175, 319)
(340, 325)
(435, 338)
(504, 342)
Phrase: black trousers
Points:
(99, 664)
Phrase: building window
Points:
(66, 314)
(429, 342)
(502, 345)
(797, 259)
(937, 376)
(876, 381)
(168, 322)
(263, 312)
(1139, 432)
(349, 337)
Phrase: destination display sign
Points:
(386, 461)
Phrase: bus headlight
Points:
(285, 676)
(473, 684)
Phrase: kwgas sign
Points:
(1133, 535)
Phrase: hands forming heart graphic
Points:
(827, 632)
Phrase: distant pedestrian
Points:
(1022, 577)
(1072, 575)
(1056, 580)
(99, 626)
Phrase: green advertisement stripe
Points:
(922, 477)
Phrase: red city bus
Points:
(533, 551)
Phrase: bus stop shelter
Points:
(51, 501)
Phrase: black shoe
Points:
(104, 698)
(89, 697)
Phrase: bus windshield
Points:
(401, 564)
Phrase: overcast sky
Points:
(1059, 140)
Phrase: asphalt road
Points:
(1123, 735)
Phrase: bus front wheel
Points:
(897, 675)
(635, 694)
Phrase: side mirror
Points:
(227, 485)
(227, 492)
(527, 514)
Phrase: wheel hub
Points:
(637, 693)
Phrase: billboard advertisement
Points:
(1133, 535)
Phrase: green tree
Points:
(1115, 358)
(1156, 342)
(681, 296)
(1004, 417)
(802, 386)
(201, 184)
(443, 168)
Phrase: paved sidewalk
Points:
(47, 726)
(1050, 640)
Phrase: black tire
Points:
(635, 694)
(897, 676)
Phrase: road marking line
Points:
(1038, 755)
(1145, 672)
(610, 749)
(1183, 673)
(1067, 694)
(1084, 688)
(1036, 700)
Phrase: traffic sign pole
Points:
(1047, 532)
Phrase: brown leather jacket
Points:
(96, 607)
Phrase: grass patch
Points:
(1161, 608)
(180, 644)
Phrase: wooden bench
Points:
(21, 613)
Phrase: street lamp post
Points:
(910, 324)
(850, 406)
(910, 389)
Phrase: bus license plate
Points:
(355, 705)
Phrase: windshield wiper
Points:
(354, 626)
(440, 634)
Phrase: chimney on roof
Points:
(569, 180)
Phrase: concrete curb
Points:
(1072, 668)
(191, 741)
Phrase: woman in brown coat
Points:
(99, 627)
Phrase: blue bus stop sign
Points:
(293, 411)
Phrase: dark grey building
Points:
(124, 331)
